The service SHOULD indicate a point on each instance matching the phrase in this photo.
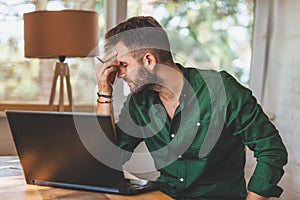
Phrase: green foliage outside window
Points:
(222, 28)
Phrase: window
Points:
(216, 32)
(25, 80)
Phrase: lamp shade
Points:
(70, 33)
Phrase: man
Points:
(194, 122)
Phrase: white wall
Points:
(281, 91)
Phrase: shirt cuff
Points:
(263, 188)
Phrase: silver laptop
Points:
(70, 150)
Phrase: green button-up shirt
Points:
(201, 151)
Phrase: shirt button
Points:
(180, 156)
(198, 124)
(172, 135)
(181, 179)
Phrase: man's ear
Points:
(149, 61)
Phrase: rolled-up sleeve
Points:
(271, 156)
(260, 135)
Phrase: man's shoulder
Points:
(206, 75)
(210, 74)
(214, 80)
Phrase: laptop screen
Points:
(73, 148)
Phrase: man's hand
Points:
(254, 196)
(106, 72)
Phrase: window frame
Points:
(260, 47)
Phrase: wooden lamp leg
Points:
(62, 71)
(69, 89)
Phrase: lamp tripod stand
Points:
(61, 71)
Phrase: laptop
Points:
(71, 150)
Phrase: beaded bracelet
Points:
(104, 95)
(103, 102)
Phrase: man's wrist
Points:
(104, 101)
(254, 196)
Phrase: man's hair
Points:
(140, 35)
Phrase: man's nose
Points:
(121, 72)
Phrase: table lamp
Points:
(61, 34)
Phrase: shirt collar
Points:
(183, 94)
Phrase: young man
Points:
(194, 122)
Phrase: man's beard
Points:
(145, 80)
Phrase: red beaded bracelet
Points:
(102, 102)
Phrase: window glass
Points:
(30, 79)
(215, 32)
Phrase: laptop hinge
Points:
(75, 186)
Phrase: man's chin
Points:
(136, 89)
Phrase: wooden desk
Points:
(13, 186)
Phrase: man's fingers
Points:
(101, 68)
(106, 70)
(106, 78)
(109, 74)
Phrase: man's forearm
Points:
(105, 107)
